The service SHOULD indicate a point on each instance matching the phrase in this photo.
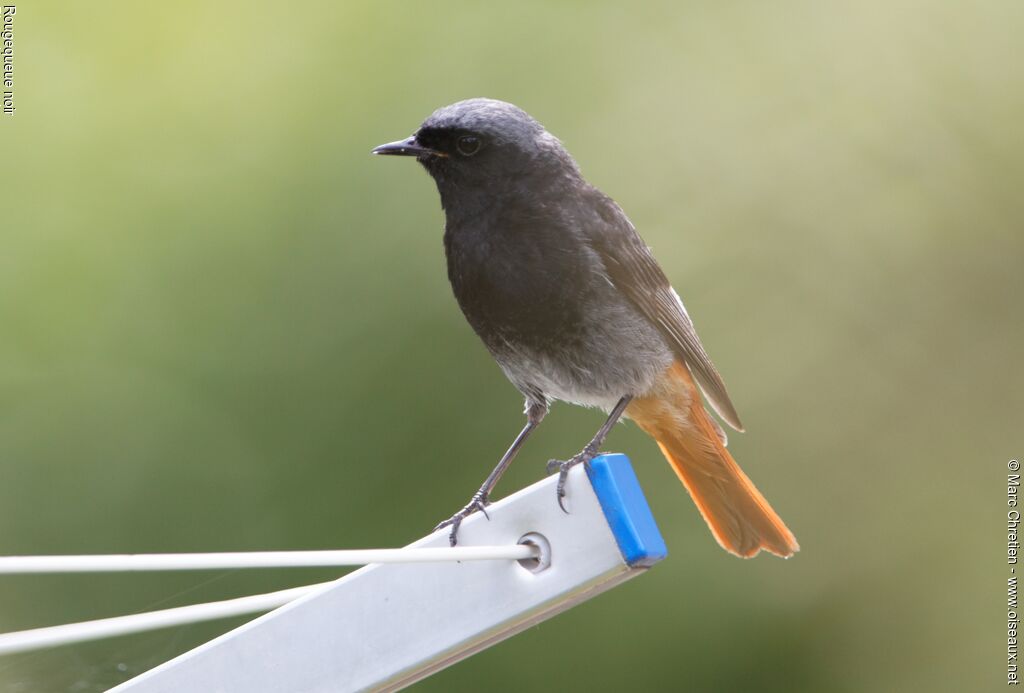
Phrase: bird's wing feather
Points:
(633, 270)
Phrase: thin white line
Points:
(122, 625)
(258, 559)
(36, 638)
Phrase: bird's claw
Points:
(478, 502)
(583, 457)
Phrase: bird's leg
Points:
(589, 450)
(535, 412)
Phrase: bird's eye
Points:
(468, 145)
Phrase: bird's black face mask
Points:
(450, 153)
(457, 153)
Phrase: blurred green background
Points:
(225, 326)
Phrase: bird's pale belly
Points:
(621, 354)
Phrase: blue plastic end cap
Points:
(626, 510)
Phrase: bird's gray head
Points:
(485, 143)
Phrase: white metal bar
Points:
(257, 559)
(24, 640)
(386, 626)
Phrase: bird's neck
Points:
(514, 197)
(464, 203)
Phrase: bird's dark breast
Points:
(520, 283)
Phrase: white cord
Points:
(257, 559)
(122, 625)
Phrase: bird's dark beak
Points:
(407, 147)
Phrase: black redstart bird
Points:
(572, 305)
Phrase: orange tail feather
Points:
(739, 516)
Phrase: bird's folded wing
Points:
(631, 267)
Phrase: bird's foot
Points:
(478, 502)
(582, 457)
